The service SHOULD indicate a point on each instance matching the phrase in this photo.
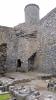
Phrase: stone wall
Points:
(3, 56)
(28, 42)
(7, 36)
(11, 52)
(32, 14)
(47, 53)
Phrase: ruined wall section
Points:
(7, 37)
(47, 54)
(26, 47)
(28, 43)
(4, 34)
(11, 52)
(28, 40)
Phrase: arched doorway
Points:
(18, 64)
(31, 61)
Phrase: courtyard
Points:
(33, 80)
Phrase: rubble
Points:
(52, 85)
(31, 93)
(24, 93)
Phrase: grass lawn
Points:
(5, 96)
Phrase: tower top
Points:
(31, 5)
(31, 14)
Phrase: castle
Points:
(30, 45)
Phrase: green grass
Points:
(5, 96)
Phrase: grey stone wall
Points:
(27, 43)
(7, 36)
(11, 62)
(47, 54)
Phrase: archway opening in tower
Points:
(31, 61)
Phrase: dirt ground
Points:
(30, 78)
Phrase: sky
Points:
(12, 11)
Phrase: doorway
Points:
(31, 61)
(18, 63)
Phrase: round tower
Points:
(31, 14)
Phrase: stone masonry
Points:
(30, 45)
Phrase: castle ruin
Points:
(30, 45)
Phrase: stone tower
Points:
(31, 14)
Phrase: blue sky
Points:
(12, 11)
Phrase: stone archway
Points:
(31, 61)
